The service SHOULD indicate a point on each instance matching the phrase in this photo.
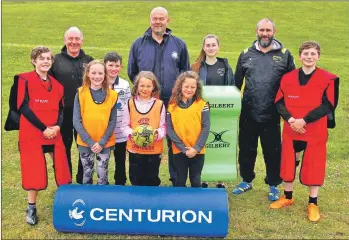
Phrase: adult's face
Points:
(73, 41)
(159, 21)
(265, 33)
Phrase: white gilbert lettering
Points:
(187, 216)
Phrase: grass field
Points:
(114, 26)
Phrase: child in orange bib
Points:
(188, 126)
(144, 108)
(94, 119)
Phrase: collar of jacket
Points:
(64, 52)
(277, 45)
(148, 32)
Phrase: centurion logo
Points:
(143, 215)
(77, 213)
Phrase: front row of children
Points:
(100, 112)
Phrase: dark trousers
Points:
(171, 166)
(270, 137)
(144, 169)
(120, 158)
(68, 132)
(184, 164)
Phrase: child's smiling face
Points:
(96, 75)
(188, 88)
(145, 88)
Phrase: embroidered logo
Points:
(174, 55)
(277, 59)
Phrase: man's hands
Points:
(297, 125)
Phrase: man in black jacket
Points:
(258, 74)
(68, 69)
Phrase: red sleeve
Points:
(21, 91)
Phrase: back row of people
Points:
(258, 74)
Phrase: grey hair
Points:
(73, 29)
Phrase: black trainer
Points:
(204, 185)
(31, 217)
(220, 185)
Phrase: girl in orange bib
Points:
(94, 119)
(144, 108)
(188, 126)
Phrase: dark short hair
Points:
(309, 44)
(112, 57)
(37, 51)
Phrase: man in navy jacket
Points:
(163, 54)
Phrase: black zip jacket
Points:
(69, 72)
(228, 76)
(258, 76)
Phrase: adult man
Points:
(258, 75)
(163, 54)
(68, 69)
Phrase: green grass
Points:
(114, 26)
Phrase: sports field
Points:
(113, 26)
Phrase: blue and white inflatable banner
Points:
(141, 210)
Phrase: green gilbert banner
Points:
(221, 145)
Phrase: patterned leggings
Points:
(87, 160)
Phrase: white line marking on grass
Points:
(22, 45)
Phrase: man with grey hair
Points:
(68, 69)
(258, 74)
(163, 54)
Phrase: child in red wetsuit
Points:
(306, 100)
(39, 101)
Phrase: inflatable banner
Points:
(221, 145)
(141, 210)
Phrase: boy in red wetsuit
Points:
(39, 101)
(306, 100)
